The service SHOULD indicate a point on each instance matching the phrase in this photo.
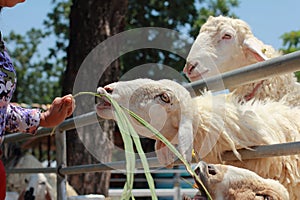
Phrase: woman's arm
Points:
(28, 120)
(21, 119)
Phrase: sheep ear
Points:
(256, 48)
(186, 138)
(185, 144)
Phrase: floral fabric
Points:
(13, 118)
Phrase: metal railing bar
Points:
(283, 149)
(31, 170)
(263, 151)
(119, 165)
(15, 137)
(82, 120)
(68, 124)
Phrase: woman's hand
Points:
(60, 109)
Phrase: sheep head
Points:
(229, 182)
(224, 44)
(161, 103)
(37, 188)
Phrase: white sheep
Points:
(225, 44)
(16, 182)
(43, 185)
(38, 188)
(211, 124)
(227, 182)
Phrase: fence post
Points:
(60, 139)
(177, 186)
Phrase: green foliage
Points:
(175, 15)
(291, 43)
(39, 76)
(57, 24)
(168, 13)
(36, 80)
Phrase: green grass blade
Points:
(125, 130)
(130, 133)
(143, 158)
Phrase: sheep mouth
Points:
(103, 103)
(198, 75)
(201, 194)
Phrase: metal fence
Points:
(251, 73)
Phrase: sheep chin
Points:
(104, 109)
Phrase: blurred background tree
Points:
(38, 80)
(91, 23)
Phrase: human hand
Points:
(60, 109)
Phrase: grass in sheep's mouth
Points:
(129, 137)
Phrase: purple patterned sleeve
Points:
(22, 120)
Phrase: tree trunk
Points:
(91, 22)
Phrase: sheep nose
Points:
(189, 67)
(101, 90)
(211, 169)
(108, 89)
(29, 193)
(200, 166)
(105, 90)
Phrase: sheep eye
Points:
(226, 36)
(266, 197)
(43, 183)
(165, 97)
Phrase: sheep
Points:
(210, 125)
(38, 188)
(16, 182)
(227, 182)
(225, 44)
(41, 186)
